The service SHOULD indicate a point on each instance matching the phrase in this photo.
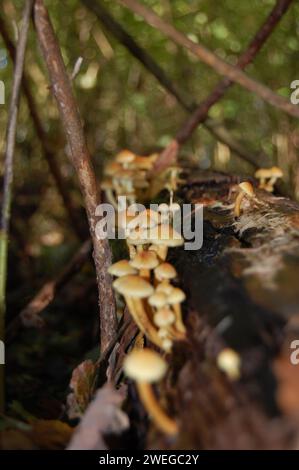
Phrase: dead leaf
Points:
(82, 384)
(103, 416)
(288, 385)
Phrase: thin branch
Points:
(8, 169)
(30, 315)
(217, 130)
(205, 55)
(81, 160)
(42, 136)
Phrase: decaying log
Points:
(242, 291)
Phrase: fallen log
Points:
(242, 291)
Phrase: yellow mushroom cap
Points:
(263, 173)
(144, 365)
(158, 299)
(176, 296)
(164, 317)
(229, 362)
(121, 268)
(164, 287)
(276, 171)
(165, 271)
(247, 188)
(145, 260)
(143, 163)
(125, 156)
(112, 168)
(133, 286)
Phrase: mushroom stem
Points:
(239, 199)
(162, 421)
(179, 325)
(145, 273)
(141, 319)
(110, 198)
(162, 252)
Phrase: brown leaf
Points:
(103, 416)
(82, 384)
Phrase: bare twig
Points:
(223, 68)
(200, 115)
(8, 170)
(30, 315)
(42, 136)
(81, 160)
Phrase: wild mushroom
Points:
(164, 317)
(165, 237)
(229, 362)
(144, 261)
(276, 173)
(175, 298)
(134, 289)
(157, 300)
(165, 287)
(262, 174)
(165, 271)
(122, 268)
(125, 158)
(245, 190)
(146, 367)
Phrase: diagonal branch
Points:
(81, 160)
(223, 68)
(8, 170)
(217, 130)
(200, 115)
(42, 136)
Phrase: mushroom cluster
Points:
(145, 279)
(267, 177)
(245, 191)
(127, 175)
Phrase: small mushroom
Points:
(165, 271)
(144, 261)
(134, 289)
(262, 174)
(229, 362)
(122, 268)
(164, 317)
(125, 158)
(157, 300)
(164, 236)
(165, 287)
(245, 190)
(276, 173)
(146, 367)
